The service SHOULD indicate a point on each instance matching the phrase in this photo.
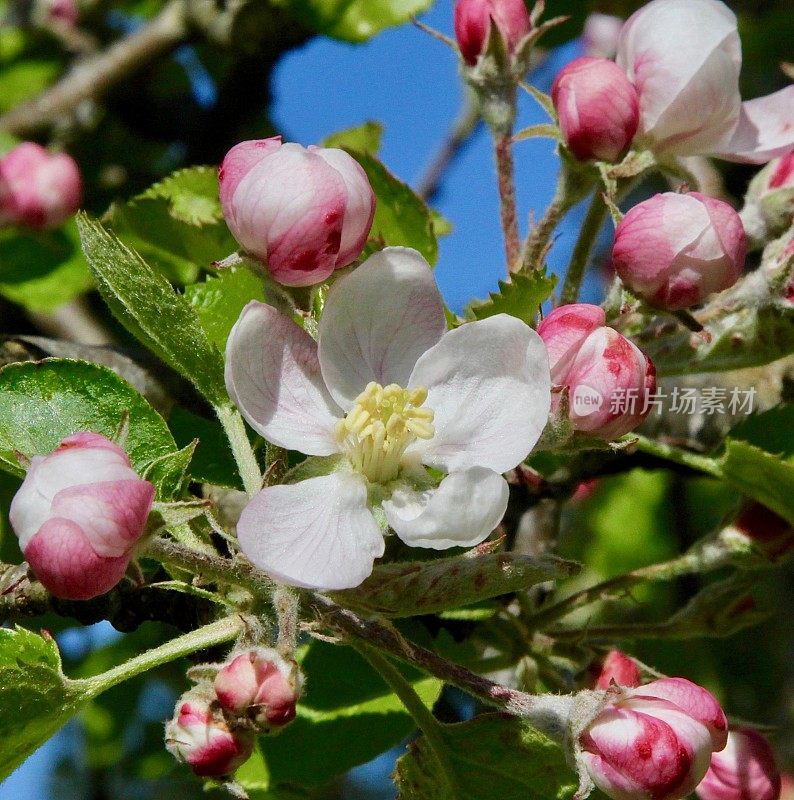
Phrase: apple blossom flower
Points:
(769, 205)
(600, 35)
(677, 249)
(744, 770)
(617, 667)
(608, 378)
(302, 212)
(261, 685)
(387, 392)
(473, 20)
(684, 57)
(653, 741)
(598, 108)
(199, 736)
(38, 189)
(78, 515)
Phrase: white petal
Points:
(317, 534)
(378, 321)
(461, 512)
(765, 130)
(273, 377)
(489, 386)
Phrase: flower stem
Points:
(224, 630)
(675, 454)
(593, 221)
(503, 144)
(242, 451)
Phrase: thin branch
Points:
(93, 77)
(505, 170)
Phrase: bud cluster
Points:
(216, 722)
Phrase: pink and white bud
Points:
(600, 368)
(59, 13)
(620, 669)
(303, 212)
(473, 25)
(78, 515)
(744, 770)
(684, 57)
(600, 35)
(675, 250)
(260, 685)
(38, 189)
(199, 736)
(769, 205)
(654, 741)
(598, 108)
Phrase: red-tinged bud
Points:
(78, 515)
(677, 249)
(62, 13)
(600, 35)
(654, 741)
(38, 189)
(769, 204)
(261, 686)
(608, 378)
(598, 108)
(302, 212)
(199, 736)
(473, 25)
(770, 534)
(620, 669)
(744, 770)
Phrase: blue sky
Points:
(409, 82)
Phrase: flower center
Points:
(382, 423)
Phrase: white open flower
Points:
(389, 392)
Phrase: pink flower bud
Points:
(473, 25)
(769, 204)
(654, 741)
(61, 12)
(598, 108)
(261, 685)
(618, 667)
(677, 249)
(303, 212)
(608, 378)
(744, 770)
(200, 736)
(600, 35)
(78, 515)
(781, 174)
(38, 189)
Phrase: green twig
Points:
(684, 458)
(242, 451)
(593, 222)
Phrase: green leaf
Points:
(521, 297)
(364, 138)
(492, 756)
(43, 402)
(405, 589)
(347, 716)
(771, 431)
(42, 270)
(146, 304)
(760, 475)
(542, 131)
(354, 20)
(401, 217)
(177, 225)
(169, 472)
(219, 301)
(35, 697)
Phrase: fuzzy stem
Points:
(242, 451)
(224, 630)
(505, 170)
(675, 454)
(286, 602)
(593, 222)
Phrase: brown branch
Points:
(93, 77)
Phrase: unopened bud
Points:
(675, 250)
(609, 380)
(261, 686)
(598, 108)
(473, 20)
(302, 212)
(620, 669)
(78, 515)
(38, 189)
